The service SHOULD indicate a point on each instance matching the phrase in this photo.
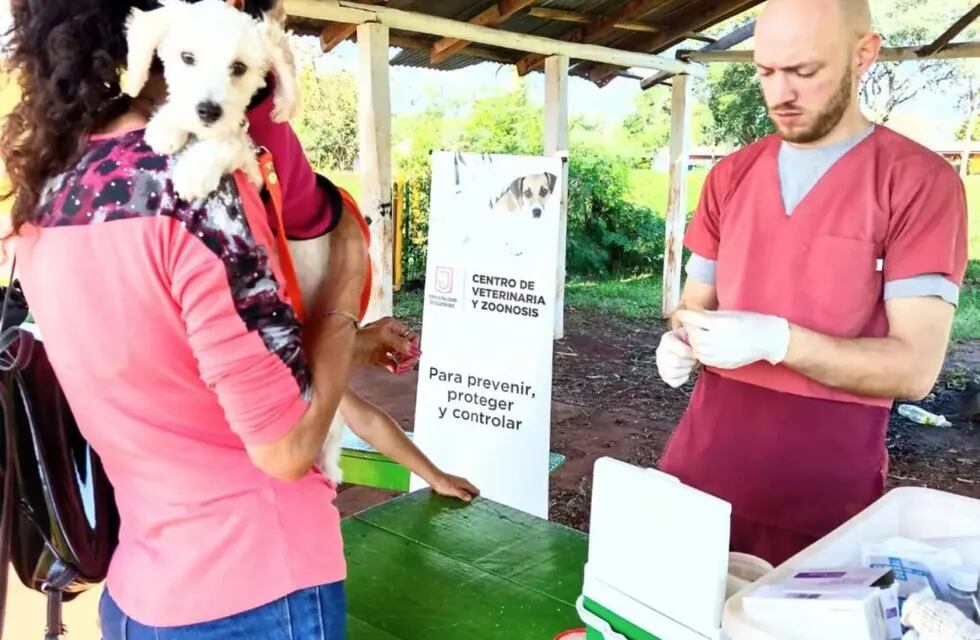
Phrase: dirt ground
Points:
(608, 400)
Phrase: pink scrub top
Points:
(167, 325)
(794, 457)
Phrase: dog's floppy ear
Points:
(517, 188)
(145, 31)
(552, 181)
(286, 101)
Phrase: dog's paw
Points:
(254, 173)
(164, 140)
(283, 108)
(193, 181)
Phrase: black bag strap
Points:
(16, 349)
(9, 476)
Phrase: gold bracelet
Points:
(347, 314)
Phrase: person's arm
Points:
(903, 365)
(277, 383)
(926, 242)
(379, 430)
(311, 204)
(703, 238)
(329, 340)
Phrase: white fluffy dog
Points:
(215, 59)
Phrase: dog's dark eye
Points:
(238, 69)
(544, 191)
(528, 193)
(188, 59)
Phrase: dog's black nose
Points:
(209, 112)
(536, 212)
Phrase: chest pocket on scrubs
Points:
(843, 282)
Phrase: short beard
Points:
(827, 119)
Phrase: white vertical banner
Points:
(484, 397)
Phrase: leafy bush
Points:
(606, 232)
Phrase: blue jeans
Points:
(311, 614)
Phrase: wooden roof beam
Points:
(358, 12)
(601, 74)
(958, 27)
(595, 30)
(421, 44)
(892, 54)
(492, 17)
(728, 41)
(562, 15)
(336, 32)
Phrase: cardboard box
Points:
(844, 604)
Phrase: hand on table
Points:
(454, 487)
(387, 343)
(733, 339)
(675, 358)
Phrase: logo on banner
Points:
(444, 280)
(442, 288)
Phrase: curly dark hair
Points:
(66, 56)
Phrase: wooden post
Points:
(556, 143)
(399, 225)
(374, 131)
(680, 131)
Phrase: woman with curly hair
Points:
(184, 364)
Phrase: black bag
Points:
(59, 525)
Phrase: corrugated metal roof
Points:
(675, 16)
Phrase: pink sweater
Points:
(168, 328)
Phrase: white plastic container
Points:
(908, 512)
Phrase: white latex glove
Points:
(675, 358)
(733, 339)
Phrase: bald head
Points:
(830, 19)
(811, 55)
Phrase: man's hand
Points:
(733, 339)
(675, 358)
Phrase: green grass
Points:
(966, 325)
(633, 297)
(408, 303)
(973, 203)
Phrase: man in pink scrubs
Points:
(826, 267)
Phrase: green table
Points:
(363, 465)
(423, 567)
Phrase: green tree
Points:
(906, 23)
(738, 112)
(504, 122)
(646, 131)
(327, 126)
(648, 127)
(607, 233)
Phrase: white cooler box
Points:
(908, 512)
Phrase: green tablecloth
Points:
(423, 567)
